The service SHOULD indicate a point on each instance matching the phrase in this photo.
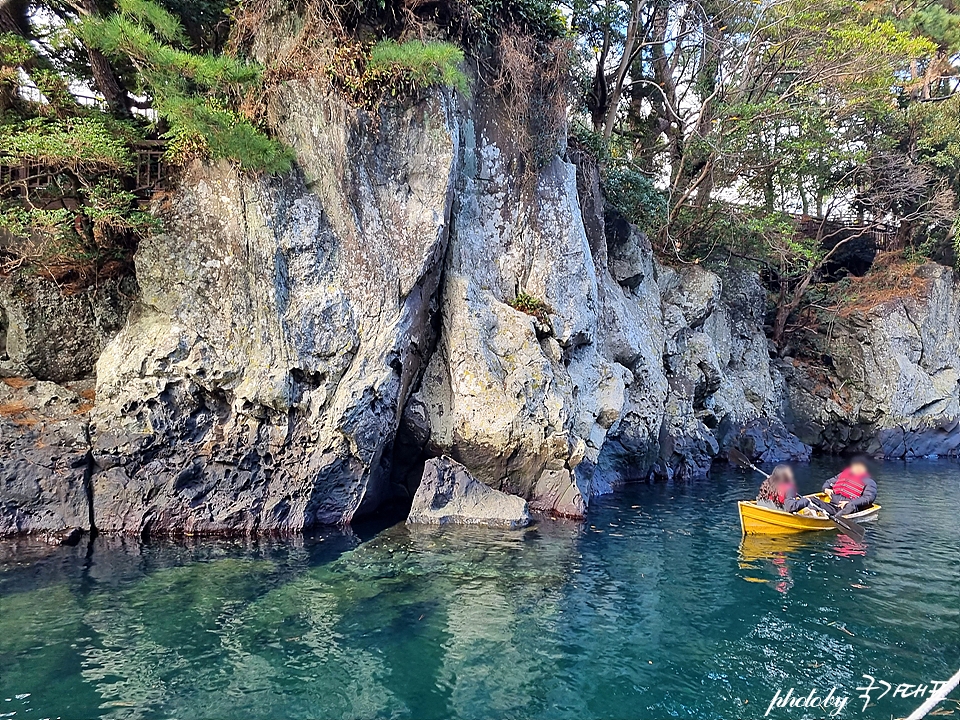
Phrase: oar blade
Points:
(738, 458)
(850, 528)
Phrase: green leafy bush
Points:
(634, 194)
(530, 305)
(70, 216)
(424, 63)
(366, 73)
(486, 20)
(192, 92)
(96, 141)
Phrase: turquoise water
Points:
(650, 609)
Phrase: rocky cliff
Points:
(888, 379)
(300, 346)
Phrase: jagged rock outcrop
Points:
(520, 400)
(282, 323)
(627, 375)
(449, 495)
(301, 346)
(888, 382)
(57, 335)
(285, 326)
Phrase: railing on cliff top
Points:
(149, 174)
(885, 236)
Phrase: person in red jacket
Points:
(853, 489)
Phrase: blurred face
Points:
(786, 478)
(858, 468)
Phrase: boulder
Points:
(765, 440)
(450, 495)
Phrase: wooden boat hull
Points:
(758, 520)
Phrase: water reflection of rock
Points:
(240, 627)
(144, 624)
(525, 622)
(451, 598)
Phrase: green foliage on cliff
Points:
(526, 303)
(95, 141)
(66, 211)
(366, 73)
(424, 63)
(636, 196)
(86, 90)
(721, 128)
(190, 92)
(487, 20)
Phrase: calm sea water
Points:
(653, 608)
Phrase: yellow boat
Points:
(759, 520)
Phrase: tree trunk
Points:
(104, 76)
(598, 99)
(11, 17)
(707, 80)
(633, 29)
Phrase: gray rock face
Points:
(519, 401)
(58, 336)
(449, 495)
(44, 458)
(282, 324)
(892, 385)
(302, 345)
(636, 368)
(261, 382)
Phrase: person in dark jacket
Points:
(853, 489)
(779, 491)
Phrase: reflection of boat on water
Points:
(761, 554)
(756, 548)
(759, 520)
(768, 558)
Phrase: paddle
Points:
(844, 525)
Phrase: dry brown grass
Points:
(532, 79)
(18, 412)
(14, 407)
(891, 278)
(17, 383)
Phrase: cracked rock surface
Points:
(891, 383)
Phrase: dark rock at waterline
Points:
(903, 442)
(42, 477)
(450, 495)
(766, 440)
(69, 537)
(44, 457)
